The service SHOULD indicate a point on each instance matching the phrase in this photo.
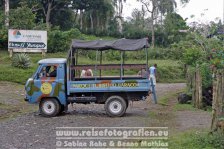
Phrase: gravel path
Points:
(33, 131)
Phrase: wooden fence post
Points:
(197, 89)
(200, 104)
(194, 89)
(218, 102)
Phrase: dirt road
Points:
(29, 130)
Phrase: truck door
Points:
(46, 82)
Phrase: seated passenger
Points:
(89, 73)
(83, 73)
(86, 73)
(143, 73)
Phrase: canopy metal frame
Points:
(99, 46)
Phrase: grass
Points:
(184, 107)
(12, 101)
(11, 111)
(195, 139)
(165, 99)
(169, 70)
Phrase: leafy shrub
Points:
(21, 60)
(3, 38)
(217, 58)
(3, 31)
(191, 56)
(206, 74)
(59, 41)
(22, 18)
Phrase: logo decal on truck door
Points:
(46, 88)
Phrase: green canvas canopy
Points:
(120, 44)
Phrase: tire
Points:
(115, 106)
(49, 107)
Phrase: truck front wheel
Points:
(115, 106)
(49, 107)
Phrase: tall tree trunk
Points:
(76, 14)
(48, 14)
(91, 20)
(81, 19)
(97, 20)
(120, 28)
(120, 16)
(106, 23)
(153, 30)
(7, 13)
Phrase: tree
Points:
(27, 21)
(172, 24)
(119, 9)
(166, 6)
(152, 11)
(154, 7)
(49, 5)
(94, 16)
(135, 27)
(7, 13)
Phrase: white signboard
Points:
(27, 40)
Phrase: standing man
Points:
(152, 73)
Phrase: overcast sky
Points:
(212, 9)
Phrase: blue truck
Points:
(58, 82)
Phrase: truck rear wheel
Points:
(49, 107)
(115, 106)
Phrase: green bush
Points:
(60, 41)
(206, 74)
(21, 60)
(192, 55)
(217, 58)
(22, 18)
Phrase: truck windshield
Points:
(36, 72)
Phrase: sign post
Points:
(27, 41)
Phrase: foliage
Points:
(206, 74)
(112, 29)
(191, 56)
(165, 53)
(21, 60)
(3, 32)
(173, 23)
(59, 41)
(197, 140)
(133, 31)
(217, 58)
(58, 19)
(22, 18)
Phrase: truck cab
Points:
(48, 86)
